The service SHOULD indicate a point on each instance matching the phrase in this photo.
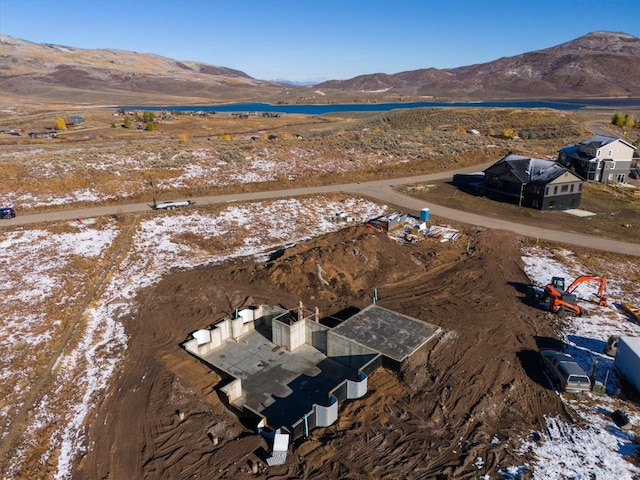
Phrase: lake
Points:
(319, 109)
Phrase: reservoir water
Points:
(319, 109)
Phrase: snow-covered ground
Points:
(87, 175)
(600, 449)
(42, 269)
(46, 274)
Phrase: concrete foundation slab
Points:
(390, 333)
(290, 381)
(579, 213)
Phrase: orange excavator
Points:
(601, 281)
(565, 301)
(558, 300)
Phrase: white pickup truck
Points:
(170, 205)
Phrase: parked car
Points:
(7, 212)
(565, 372)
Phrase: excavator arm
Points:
(601, 281)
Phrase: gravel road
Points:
(382, 190)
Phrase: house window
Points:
(552, 204)
(555, 190)
(579, 187)
(572, 185)
(564, 188)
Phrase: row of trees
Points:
(148, 118)
(624, 120)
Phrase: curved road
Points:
(380, 190)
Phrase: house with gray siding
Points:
(532, 182)
(599, 159)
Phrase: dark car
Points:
(7, 212)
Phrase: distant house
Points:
(599, 159)
(534, 183)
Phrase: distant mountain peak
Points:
(579, 68)
(598, 64)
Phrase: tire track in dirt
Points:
(470, 383)
(436, 417)
(46, 376)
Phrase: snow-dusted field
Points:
(48, 274)
(73, 175)
(601, 449)
(64, 286)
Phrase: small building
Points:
(627, 361)
(532, 182)
(599, 159)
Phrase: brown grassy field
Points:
(99, 161)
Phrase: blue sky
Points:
(318, 39)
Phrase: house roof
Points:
(529, 170)
(570, 150)
(602, 140)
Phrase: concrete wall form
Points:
(290, 336)
(326, 416)
(358, 389)
(233, 390)
(280, 334)
(347, 351)
(297, 336)
(316, 335)
(319, 415)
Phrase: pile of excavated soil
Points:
(469, 397)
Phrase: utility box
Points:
(424, 214)
(627, 362)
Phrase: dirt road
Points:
(382, 190)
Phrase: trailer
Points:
(170, 205)
(627, 361)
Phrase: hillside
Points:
(61, 74)
(579, 68)
(47, 73)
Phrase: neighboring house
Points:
(599, 159)
(535, 183)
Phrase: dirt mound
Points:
(340, 269)
(464, 400)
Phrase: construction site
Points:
(428, 393)
(405, 360)
(290, 370)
